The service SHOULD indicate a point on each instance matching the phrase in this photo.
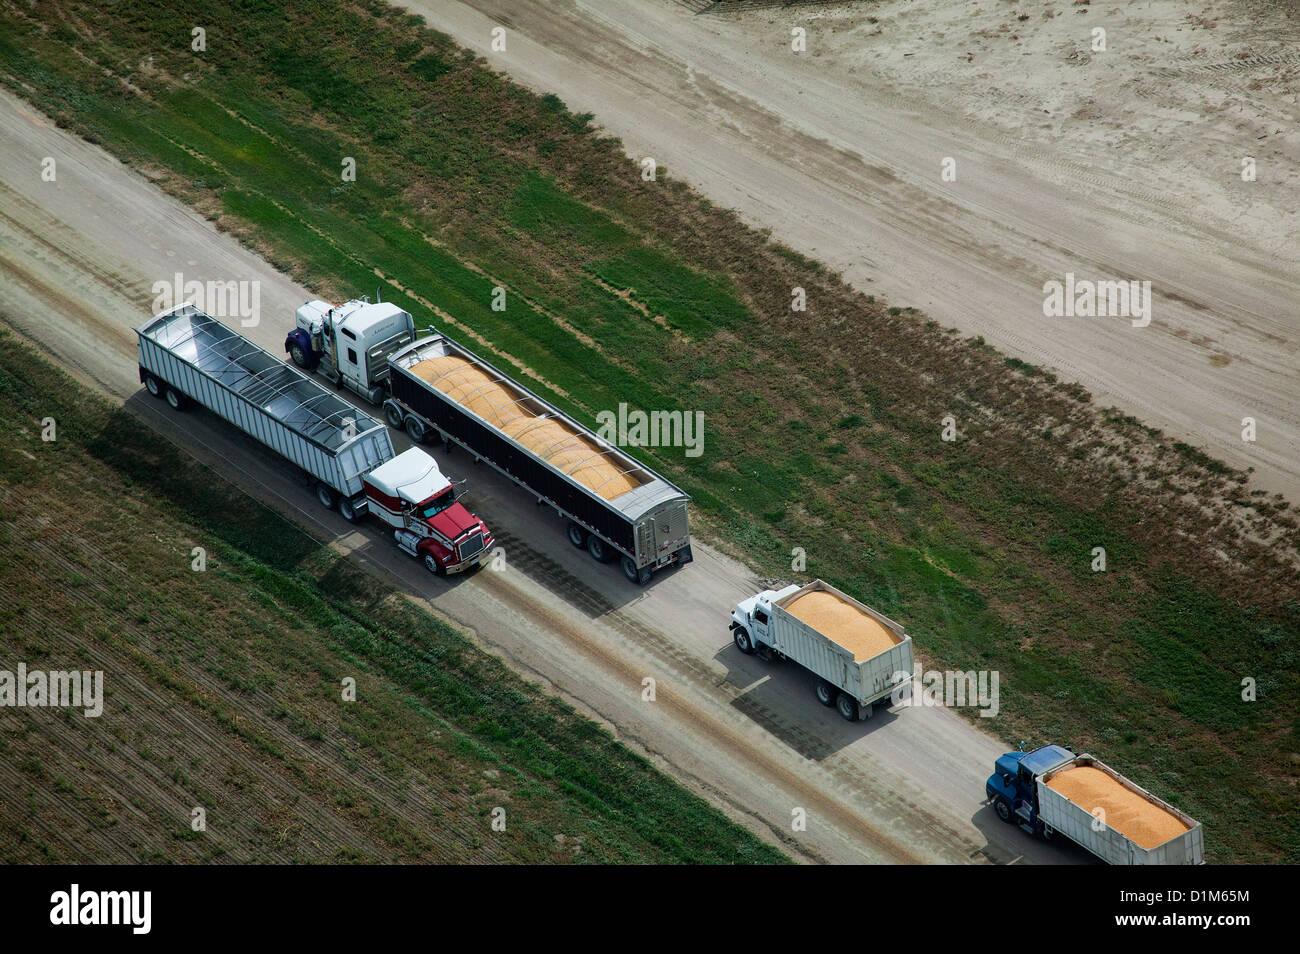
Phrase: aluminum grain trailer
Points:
(186, 355)
(615, 506)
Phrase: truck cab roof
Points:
(366, 320)
(412, 476)
(1045, 759)
(765, 599)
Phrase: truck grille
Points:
(470, 547)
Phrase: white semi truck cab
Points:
(752, 617)
(350, 343)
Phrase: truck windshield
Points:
(436, 505)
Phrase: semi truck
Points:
(1051, 792)
(613, 506)
(857, 656)
(349, 344)
(187, 357)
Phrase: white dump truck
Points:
(857, 655)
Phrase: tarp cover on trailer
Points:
(497, 403)
(277, 389)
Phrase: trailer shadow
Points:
(778, 695)
(173, 468)
(198, 438)
(181, 469)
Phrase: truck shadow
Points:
(778, 695)
(196, 436)
(180, 469)
(1008, 844)
(173, 468)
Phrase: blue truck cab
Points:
(1013, 789)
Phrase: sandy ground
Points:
(1115, 165)
(78, 259)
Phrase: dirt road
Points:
(78, 259)
(1108, 166)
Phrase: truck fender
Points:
(433, 547)
(428, 549)
(300, 338)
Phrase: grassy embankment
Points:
(224, 688)
(822, 426)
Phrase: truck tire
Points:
(1002, 808)
(599, 550)
(433, 566)
(415, 428)
(325, 494)
(743, 642)
(299, 356)
(394, 415)
(347, 511)
(178, 401)
(153, 385)
(847, 706)
(577, 535)
(826, 693)
(631, 570)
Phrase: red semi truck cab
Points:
(411, 495)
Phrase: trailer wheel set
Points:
(830, 695)
(600, 551)
(415, 429)
(161, 389)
